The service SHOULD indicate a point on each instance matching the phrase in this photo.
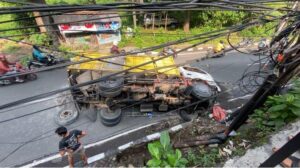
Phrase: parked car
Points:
(160, 20)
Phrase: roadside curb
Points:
(145, 139)
(111, 145)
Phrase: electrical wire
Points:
(146, 7)
(195, 37)
(93, 81)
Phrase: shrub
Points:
(279, 109)
(163, 155)
(40, 39)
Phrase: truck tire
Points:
(110, 117)
(110, 94)
(112, 123)
(201, 91)
(66, 117)
(111, 84)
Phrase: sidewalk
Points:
(254, 157)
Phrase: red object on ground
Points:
(218, 113)
(280, 58)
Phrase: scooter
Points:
(168, 51)
(262, 49)
(211, 54)
(6, 80)
(42, 59)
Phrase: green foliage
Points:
(40, 39)
(204, 157)
(278, 110)
(15, 24)
(163, 155)
(24, 60)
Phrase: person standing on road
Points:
(70, 143)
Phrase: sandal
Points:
(295, 161)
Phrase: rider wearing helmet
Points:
(4, 65)
(262, 44)
(6, 70)
(115, 49)
(39, 55)
(219, 47)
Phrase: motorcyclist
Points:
(39, 55)
(262, 44)
(219, 47)
(5, 68)
(169, 51)
(115, 49)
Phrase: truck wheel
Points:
(201, 90)
(111, 84)
(110, 117)
(66, 117)
(110, 94)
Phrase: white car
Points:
(196, 73)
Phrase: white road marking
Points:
(47, 159)
(193, 53)
(257, 63)
(242, 97)
(34, 163)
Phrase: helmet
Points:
(2, 56)
(115, 43)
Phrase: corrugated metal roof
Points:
(93, 16)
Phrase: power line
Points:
(100, 79)
(154, 7)
(195, 37)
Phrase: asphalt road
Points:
(31, 137)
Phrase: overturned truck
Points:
(156, 87)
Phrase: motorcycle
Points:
(42, 59)
(168, 51)
(212, 54)
(6, 80)
(262, 48)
